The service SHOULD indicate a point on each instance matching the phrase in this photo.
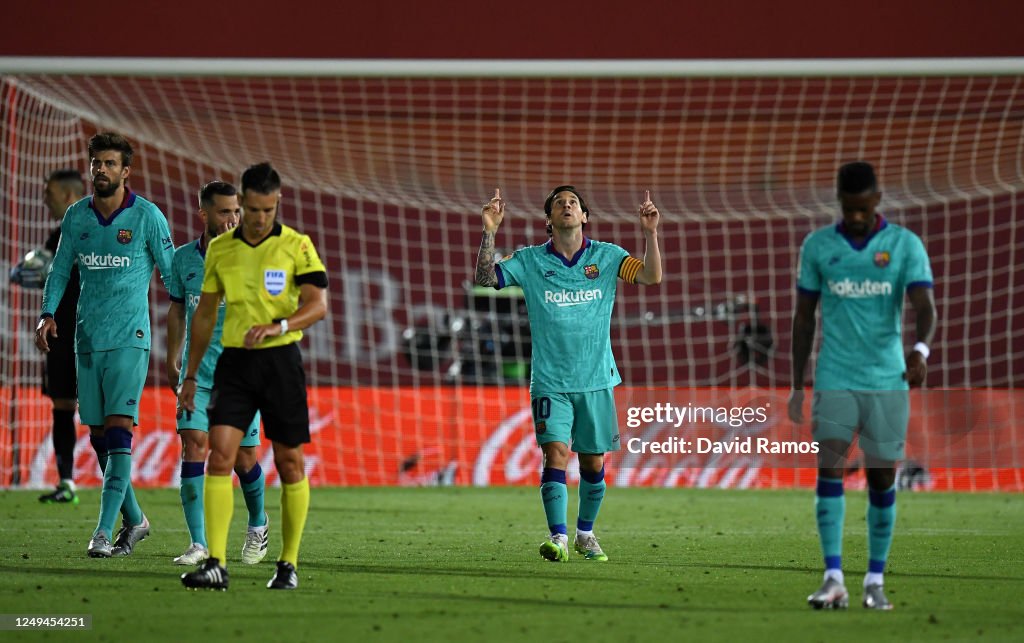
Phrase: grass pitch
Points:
(461, 564)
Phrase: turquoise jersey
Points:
(861, 289)
(115, 259)
(186, 285)
(570, 307)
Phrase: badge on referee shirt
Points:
(273, 281)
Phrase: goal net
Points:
(418, 378)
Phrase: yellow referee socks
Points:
(218, 504)
(294, 507)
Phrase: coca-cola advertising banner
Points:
(743, 438)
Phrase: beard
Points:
(213, 231)
(109, 190)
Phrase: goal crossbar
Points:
(453, 68)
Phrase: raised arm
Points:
(493, 213)
(650, 274)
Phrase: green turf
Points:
(462, 565)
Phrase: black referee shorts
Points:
(60, 376)
(269, 380)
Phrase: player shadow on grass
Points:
(397, 512)
(489, 572)
(569, 602)
(108, 571)
(811, 569)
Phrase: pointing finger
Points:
(647, 196)
(497, 193)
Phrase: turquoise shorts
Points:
(587, 422)
(198, 421)
(879, 418)
(111, 383)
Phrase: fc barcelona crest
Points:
(124, 237)
(591, 271)
(882, 259)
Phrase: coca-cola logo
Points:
(156, 457)
(510, 455)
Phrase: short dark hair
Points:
(261, 178)
(551, 198)
(105, 141)
(856, 178)
(212, 189)
(68, 179)
(564, 188)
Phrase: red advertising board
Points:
(957, 440)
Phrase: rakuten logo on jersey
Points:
(851, 289)
(93, 261)
(571, 298)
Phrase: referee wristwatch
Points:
(284, 325)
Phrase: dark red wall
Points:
(517, 29)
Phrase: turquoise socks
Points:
(830, 507)
(881, 520)
(193, 479)
(253, 488)
(555, 495)
(592, 488)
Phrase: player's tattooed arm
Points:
(493, 213)
(485, 274)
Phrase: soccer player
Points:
(275, 286)
(859, 269)
(63, 188)
(570, 284)
(219, 211)
(116, 238)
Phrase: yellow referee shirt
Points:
(261, 283)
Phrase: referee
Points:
(274, 286)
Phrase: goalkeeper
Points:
(63, 188)
(570, 284)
